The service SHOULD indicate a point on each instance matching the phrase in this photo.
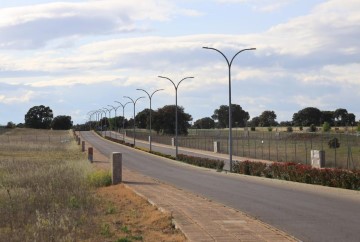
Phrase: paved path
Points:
(309, 212)
(199, 218)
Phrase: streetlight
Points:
(134, 102)
(109, 110)
(123, 121)
(91, 113)
(230, 125)
(150, 96)
(115, 109)
(176, 114)
(101, 117)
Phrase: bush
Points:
(270, 129)
(312, 128)
(301, 128)
(301, 173)
(200, 161)
(289, 129)
(326, 127)
(252, 128)
(99, 178)
(334, 143)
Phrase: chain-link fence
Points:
(274, 146)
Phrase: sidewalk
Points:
(198, 218)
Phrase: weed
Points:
(105, 230)
(99, 178)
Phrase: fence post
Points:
(79, 140)
(83, 146)
(116, 165)
(91, 154)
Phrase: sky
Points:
(80, 56)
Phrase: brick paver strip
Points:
(198, 218)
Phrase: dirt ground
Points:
(125, 216)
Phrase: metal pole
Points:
(230, 115)
(150, 97)
(176, 114)
(123, 121)
(134, 102)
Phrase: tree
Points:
(307, 117)
(328, 116)
(39, 117)
(239, 116)
(142, 119)
(164, 120)
(341, 117)
(61, 122)
(10, 125)
(204, 123)
(267, 118)
(255, 121)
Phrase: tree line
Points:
(41, 117)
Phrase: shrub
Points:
(270, 129)
(312, 128)
(99, 178)
(326, 127)
(301, 128)
(203, 162)
(289, 129)
(301, 173)
(252, 128)
(334, 143)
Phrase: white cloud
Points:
(34, 26)
(261, 5)
(17, 97)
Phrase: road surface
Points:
(308, 212)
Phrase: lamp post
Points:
(109, 110)
(230, 118)
(150, 96)
(91, 113)
(101, 117)
(176, 114)
(123, 121)
(134, 102)
(115, 109)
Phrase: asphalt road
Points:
(310, 213)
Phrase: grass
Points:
(50, 192)
(44, 195)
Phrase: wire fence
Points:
(4, 138)
(274, 146)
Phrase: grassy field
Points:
(48, 193)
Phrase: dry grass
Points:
(46, 195)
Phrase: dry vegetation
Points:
(47, 193)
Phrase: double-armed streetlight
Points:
(134, 102)
(176, 113)
(123, 116)
(150, 97)
(109, 110)
(91, 113)
(115, 109)
(229, 63)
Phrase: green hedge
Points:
(301, 173)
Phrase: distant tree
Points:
(204, 123)
(307, 117)
(10, 125)
(142, 119)
(39, 117)
(267, 118)
(328, 116)
(239, 116)
(351, 119)
(164, 120)
(286, 123)
(61, 122)
(341, 117)
(255, 122)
